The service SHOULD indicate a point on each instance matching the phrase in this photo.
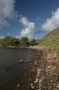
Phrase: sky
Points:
(28, 18)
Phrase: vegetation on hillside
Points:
(51, 40)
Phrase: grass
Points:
(51, 40)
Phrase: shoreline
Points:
(42, 61)
(42, 67)
(31, 47)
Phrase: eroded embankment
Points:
(41, 75)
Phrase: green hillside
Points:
(51, 40)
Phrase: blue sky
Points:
(39, 15)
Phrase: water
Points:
(10, 68)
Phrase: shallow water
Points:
(10, 68)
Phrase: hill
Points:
(51, 40)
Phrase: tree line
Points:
(10, 41)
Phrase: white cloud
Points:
(51, 23)
(28, 29)
(6, 11)
(1, 36)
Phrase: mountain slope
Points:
(51, 40)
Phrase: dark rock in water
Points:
(8, 68)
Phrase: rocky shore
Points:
(41, 74)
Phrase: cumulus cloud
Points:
(28, 28)
(51, 23)
(6, 11)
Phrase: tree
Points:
(24, 41)
(33, 42)
(9, 41)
